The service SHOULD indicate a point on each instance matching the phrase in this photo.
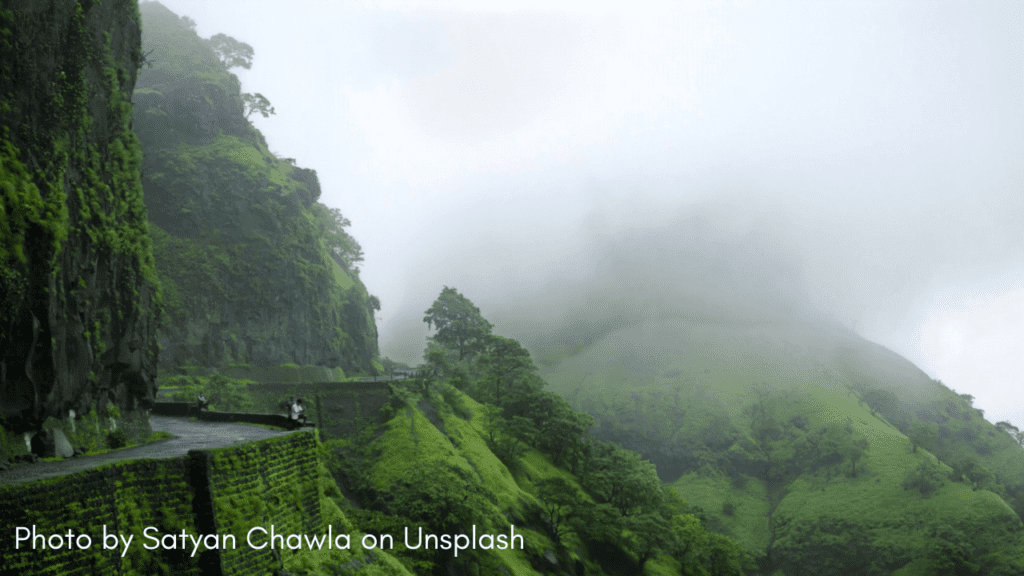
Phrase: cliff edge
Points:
(79, 296)
(242, 246)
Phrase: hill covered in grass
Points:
(255, 271)
(475, 444)
(820, 452)
(441, 463)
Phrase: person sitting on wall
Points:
(298, 414)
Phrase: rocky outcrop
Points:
(79, 298)
(239, 237)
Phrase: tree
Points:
(341, 245)
(510, 436)
(688, 536)
(949, 551)
(967, 467)
(726, 557)
(854, 450)
(458, 322)
(649, 533)
(926, 478)
(623, 479)
(435, 368)
(505, 363)
(256, 103)
(1005, 426)
(598, 523)
(881, 401)
(561, 431)
(559, 499)
(832, 441)
(923, 434)
(231, 52)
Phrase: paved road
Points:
(189, 435)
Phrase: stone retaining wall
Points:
(337, 408)
(222, 491)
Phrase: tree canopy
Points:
(256, 103)
(505, 363)
(458, 322)
(231, 52)
(339, 242)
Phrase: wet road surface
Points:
(190, 435)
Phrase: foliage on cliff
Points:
(255, 270)
(818, 451)
(79, 298)
(475, 442)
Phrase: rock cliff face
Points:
(79, 299)
(239, 237)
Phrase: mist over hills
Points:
(688, 400)
(704, 336)
(698, 343)
(701, 264)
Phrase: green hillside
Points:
(820, 452)
(476, 443)
(254, 269)
(431, 466)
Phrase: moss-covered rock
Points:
(238, 234)
(79, 298)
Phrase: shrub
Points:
(117, 438)
(728, 508)
(925, 478)
(223, 393)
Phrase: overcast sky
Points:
(871, 154)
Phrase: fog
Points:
(864, 160)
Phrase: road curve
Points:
(189, 435)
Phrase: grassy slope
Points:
(675, 377)
(419, 436)
(326, 561)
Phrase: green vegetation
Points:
(458, 323)
(256, 270)
(672, 446)
(101, 429)
(257, 103)
(231, 52)
(443, 461)
(818, 452)
(77, 276)
(342, 247)
(222, 393)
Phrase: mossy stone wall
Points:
(224, 491)
(272, 482)
(125, 497)
(339, 409)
